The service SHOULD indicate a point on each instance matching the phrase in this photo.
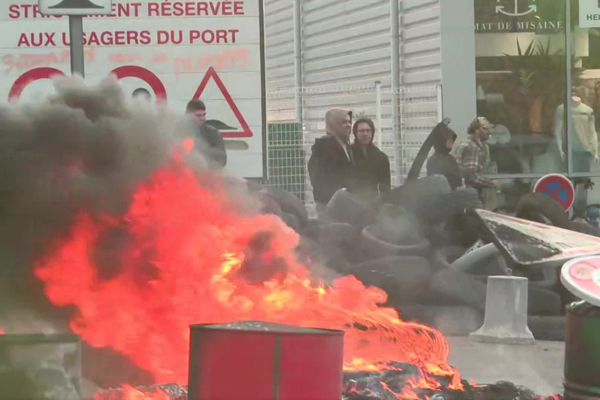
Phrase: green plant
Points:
(537, 70)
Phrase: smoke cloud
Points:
(86, 147)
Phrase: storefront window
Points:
(585, 100)
(521, 83)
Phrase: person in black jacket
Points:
(211, 143)
(442, 162)
(371, 165)
(330, 164)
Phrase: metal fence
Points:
(289, 142)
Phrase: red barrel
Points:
(263, 361)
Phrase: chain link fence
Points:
(289, 142)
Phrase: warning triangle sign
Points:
(245, 129)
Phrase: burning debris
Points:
(396, 383)
(124, 226)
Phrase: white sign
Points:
(75, 7)
(171, 51)
(589, 13)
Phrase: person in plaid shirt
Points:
(472, 155)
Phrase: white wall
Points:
(345, 49)
(458, 62)
(279, 60)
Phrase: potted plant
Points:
(540, 75)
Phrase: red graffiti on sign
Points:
(134, 71)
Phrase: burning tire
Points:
(417, 196)
(402, 277)
(325, 261)
(347, 207)
(292, 221)
(268, 204)
(289, 203)
(447, 205)
(375, 246)
(335, 235)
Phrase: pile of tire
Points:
(418, 245)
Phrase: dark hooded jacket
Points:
(329, 168)
(371, 171)
(442, 162)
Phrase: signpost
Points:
(171, 51)
(558, 187)
(76, 9)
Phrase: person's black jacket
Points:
(329, 168)
(212, 146)
(442, 162)
(371, 171)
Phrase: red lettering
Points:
(146, 38)
(153, 10)
(202, 9)
(238, 7)
(165, 9)
(132, 37)
(221, 36)
(13, 11)
(26, 8)
(36, 12)
(213, 36)
(195, 9)
(24, 11)
(36, 39)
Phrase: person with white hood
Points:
(330, 166)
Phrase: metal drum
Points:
(262, 361)
(582, 352)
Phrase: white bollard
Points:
(505, 312)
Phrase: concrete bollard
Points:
(505, 312)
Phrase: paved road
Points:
(538, 367)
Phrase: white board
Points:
(174, 50)
(589, 13)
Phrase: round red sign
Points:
(558, 187)
(581, 276)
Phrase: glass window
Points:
(521, 82)
(585, 99)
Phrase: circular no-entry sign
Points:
(581, 276)
(558, 187)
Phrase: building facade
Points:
(532, 67)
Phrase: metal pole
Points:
(395, 64)
(378, 113)
(298, 97)
(568, 109)
(440, 102)
(76, 44)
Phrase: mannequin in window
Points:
(584, 142)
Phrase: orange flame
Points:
(191, 257)
(129, 393)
